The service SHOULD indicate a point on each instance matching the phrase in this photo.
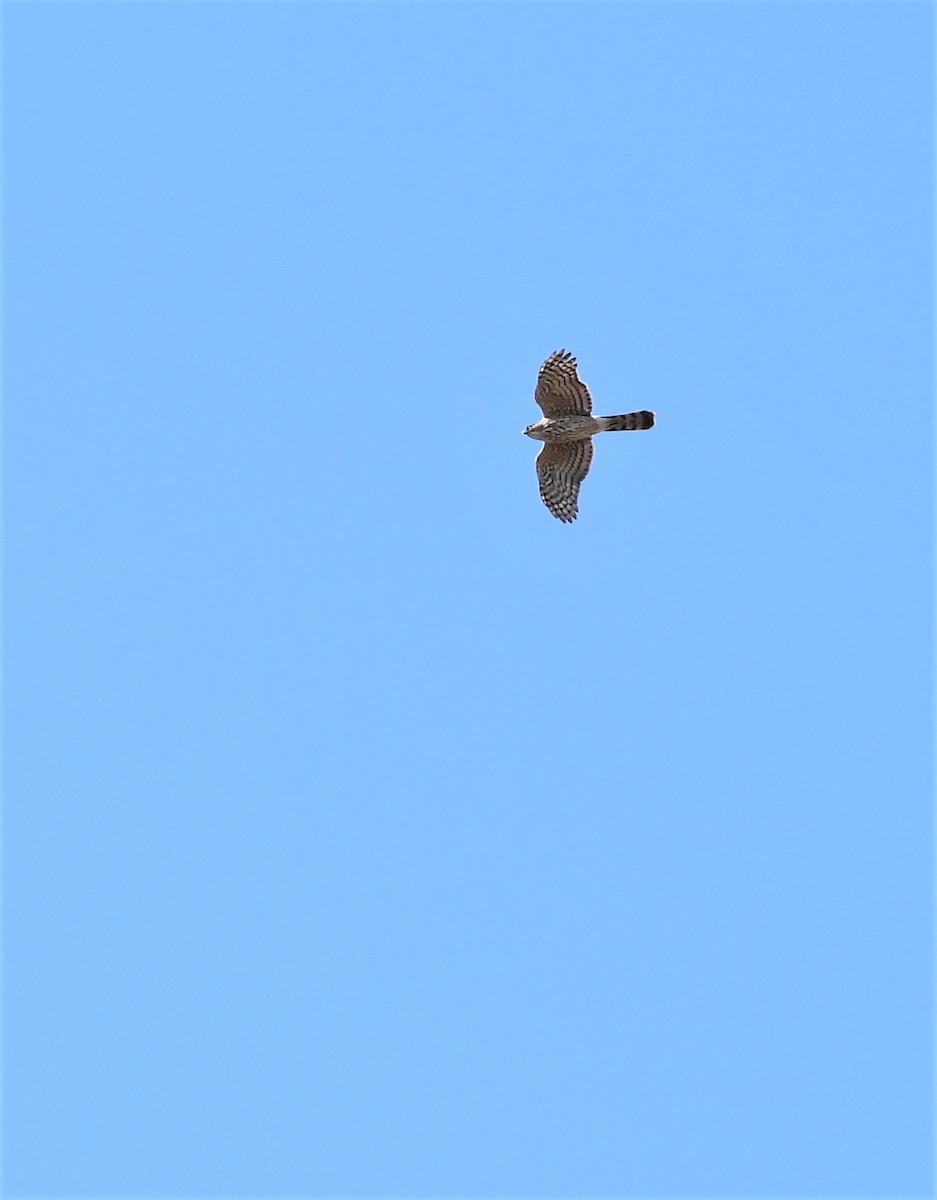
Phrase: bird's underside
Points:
(567, 429)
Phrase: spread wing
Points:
(561, 468)
(560, 391)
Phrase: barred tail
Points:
(636, 420)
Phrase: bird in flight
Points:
(566, 431)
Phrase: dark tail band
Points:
(635, 420)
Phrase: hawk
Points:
(566, 431)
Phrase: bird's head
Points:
(533, 431)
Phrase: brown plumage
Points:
(566, 429)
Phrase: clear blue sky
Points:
(368, 832)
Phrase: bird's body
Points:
(567, 429)
(575, 428)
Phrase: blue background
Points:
(369, 832)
